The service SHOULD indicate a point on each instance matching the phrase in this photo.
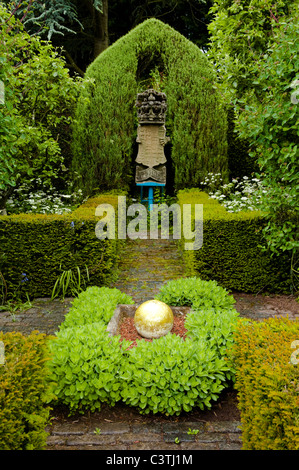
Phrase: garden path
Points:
(144, 266)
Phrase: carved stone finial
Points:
(151, 137)
(151, 107)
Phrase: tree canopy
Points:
(84, 28)
(36, 114)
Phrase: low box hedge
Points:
(24, 391)
(231, 252)
(267, 381)
(36, 248)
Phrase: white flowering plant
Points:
(42, 201)
(238, 195)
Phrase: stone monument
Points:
(151, 138)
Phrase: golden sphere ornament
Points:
(153, 319)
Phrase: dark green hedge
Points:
(231, 253)
(37, 248)
(106, 119)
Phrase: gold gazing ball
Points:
(153, 319)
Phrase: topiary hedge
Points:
(105, 126)
(168, 375)
(267, 381)
(37, 248)
(24, 392)
(231, 253)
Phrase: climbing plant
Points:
(105, 126)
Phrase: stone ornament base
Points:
(123, 310)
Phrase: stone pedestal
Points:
(151, 139)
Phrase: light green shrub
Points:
(95, 304)
(168, 375)
(193, 291)
(171, 375)
(84, 368)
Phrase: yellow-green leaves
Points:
(267, 384)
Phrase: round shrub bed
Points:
(168, 375)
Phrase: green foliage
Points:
(258, 67)
(95, 304)
(171, 375)
(37, 114)
(106, 121)
(193, 291)
(84, 367)
(76, 282)
(240, 194)
(267, 384)
(270, 121)
(232, 253)
(240, 33)
(8, 129)
(168, 375)
(24, 392)
(25, 200)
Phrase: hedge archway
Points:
(106, 122)
(168, 375)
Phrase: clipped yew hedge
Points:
(267, 382)
(231, 252)
(105, 127)
(37, 248)
(24, 392)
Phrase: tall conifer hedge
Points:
(106, 121)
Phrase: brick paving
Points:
(145, 266)
(88, 433)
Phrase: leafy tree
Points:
(50, 19)
(240, 33)
(8, 131)
(81, 27)
(253, 45)
(270, 121)
(36, 116)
